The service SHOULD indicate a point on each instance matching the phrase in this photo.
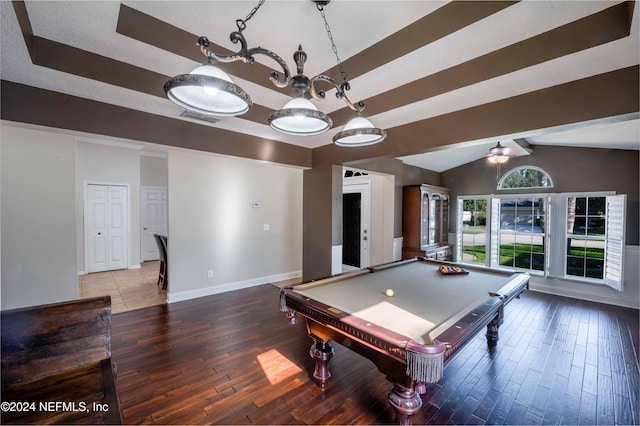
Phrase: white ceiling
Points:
(281, 25)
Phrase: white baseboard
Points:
(130, 267)
(397, 248)
(223, 288)
(336, 260)
(588, 297)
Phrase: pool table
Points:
(409, 335)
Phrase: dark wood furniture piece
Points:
(409, 336)
(425, 222)
(161, 242)
(56, 364)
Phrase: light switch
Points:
(265, 227)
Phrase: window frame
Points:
(508, 174)
(495, 253)
(563, 200)
(555, 234)
(459, 224)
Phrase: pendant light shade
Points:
(300, 117)
(359, 132)
(208, 90)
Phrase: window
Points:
(595, 238)
(522, 233)
(525, 177)
(586, 221)
(584, 241)
(473, 230)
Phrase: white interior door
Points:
(107, 233)
(97, 213)
(153, 210)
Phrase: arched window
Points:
(525, 177)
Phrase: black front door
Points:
(351, 229)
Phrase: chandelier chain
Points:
(333, 44)
(242, 23)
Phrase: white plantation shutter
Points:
(494, 249)
(459, 220)
(548, 223)
(614, 244)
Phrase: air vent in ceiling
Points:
(201, 117)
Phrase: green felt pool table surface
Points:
(424, 301)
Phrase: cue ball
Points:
(389, 292)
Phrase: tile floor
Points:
(134, 288)
(129, 288)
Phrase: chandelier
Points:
(210, 91)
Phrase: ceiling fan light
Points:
(359, 132)
(300, 117)
(498, 159)
(208, 90)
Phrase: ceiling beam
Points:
(27, 104)
(606, 95)
(594, 30)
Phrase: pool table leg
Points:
(492, 328)
(406, 401)
(321, 352)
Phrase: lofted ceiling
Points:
(415, 63)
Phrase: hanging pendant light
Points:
(208, 90)
(299, 116)
(359, 132)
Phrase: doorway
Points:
(106, 227)
(355, 225)
(153, 220)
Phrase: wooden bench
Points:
(56, 364)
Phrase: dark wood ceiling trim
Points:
(602, 96)
(27, 104)
(65, 58)
(147, 29)
(61, 57)
(444, 21)
(600, 28)
(25, 24)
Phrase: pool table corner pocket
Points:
(425, 363)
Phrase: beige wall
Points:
(214, 225)
(572, 170)
(153, 170)
(38, 231)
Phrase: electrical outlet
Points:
(210, 273)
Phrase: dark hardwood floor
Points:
(233, 358)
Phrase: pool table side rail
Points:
(400, 356)
(369, 333)
(455, 335)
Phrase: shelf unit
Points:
(425, 222)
